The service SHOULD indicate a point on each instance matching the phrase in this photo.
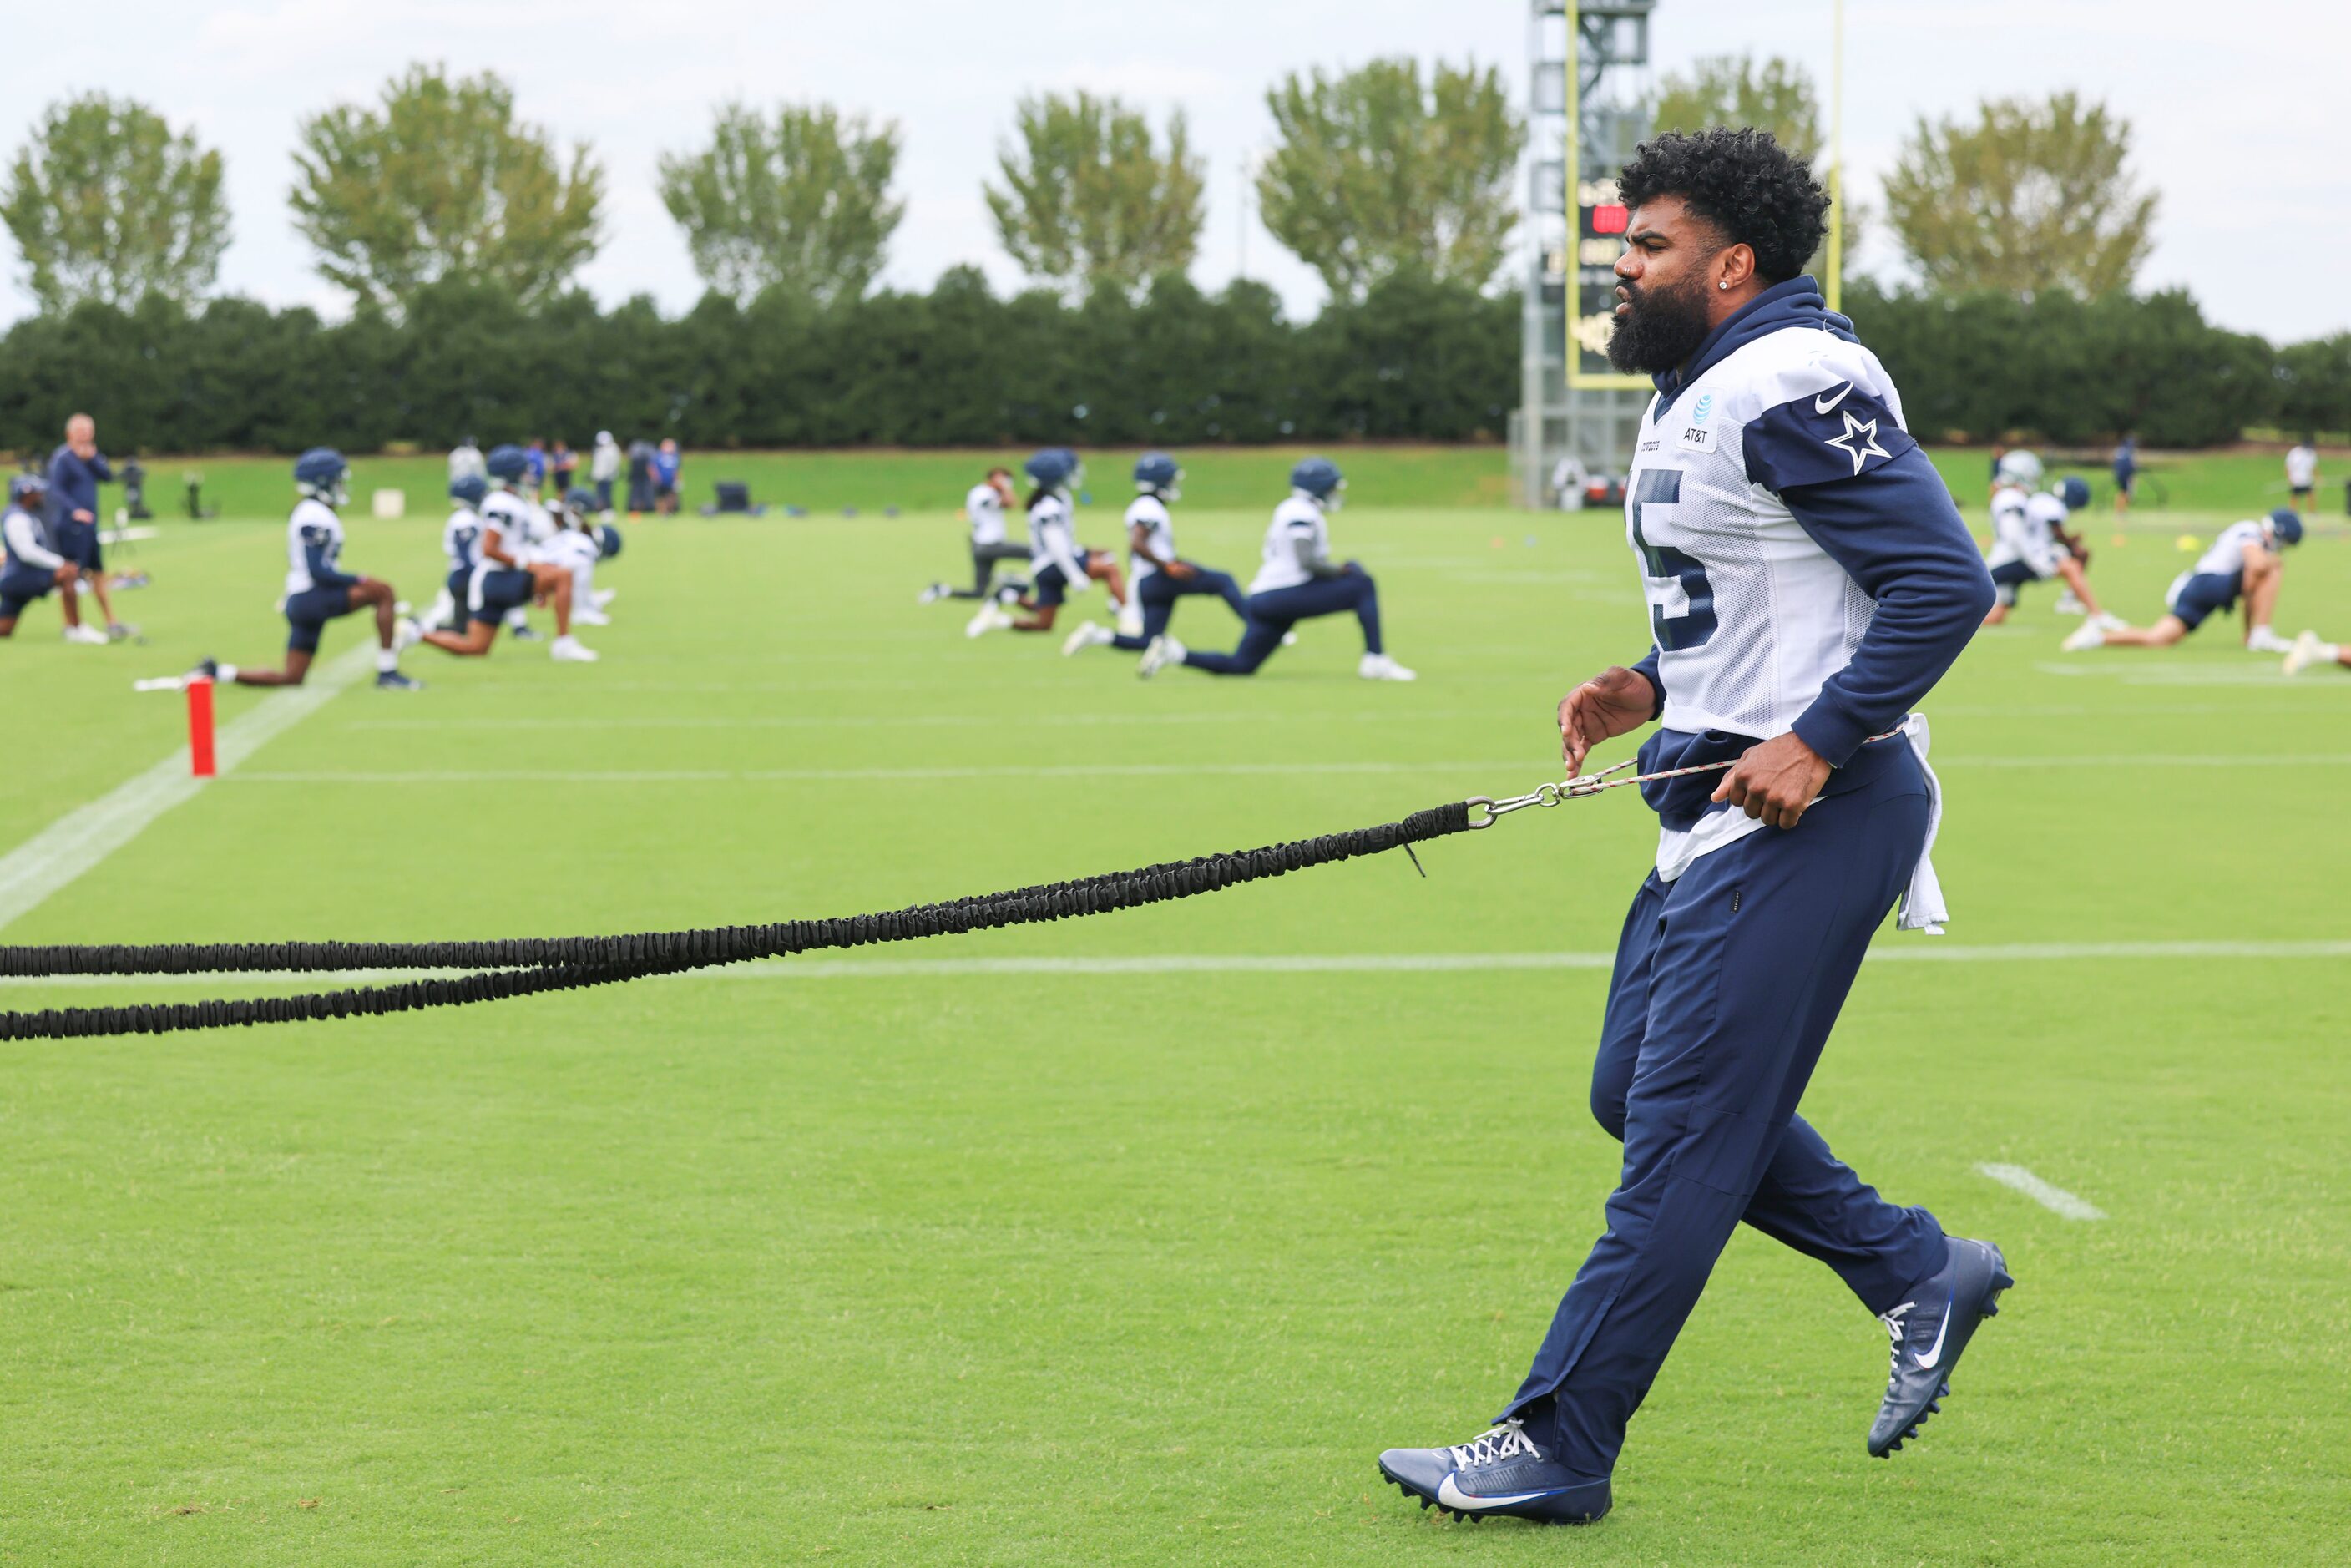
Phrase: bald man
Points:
(76, 470)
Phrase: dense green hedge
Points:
(1982, 366)
(958, 366)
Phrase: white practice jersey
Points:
(1053, 540)
(571, 550)
(313, 525)
(2227, 556)
(461, 539)
(985, 508)
(2301, 466)
(1750, 616)
(1297, 542)
(2025, 527)
(1149, 513)
(506, 515)
(27, 543)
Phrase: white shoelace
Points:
(1506, 1441)
(1895, 1329)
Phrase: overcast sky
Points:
(2241, 129)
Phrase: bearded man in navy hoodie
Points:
(1808, 579)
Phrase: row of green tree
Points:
(1377, 170)
(1371, 171)
(1415, 358)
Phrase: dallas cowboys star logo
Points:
(1859, 441)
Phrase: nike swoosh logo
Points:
(1822, 405)
(1934, 1353)
(1452, 1496)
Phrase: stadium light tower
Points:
(1584, 114)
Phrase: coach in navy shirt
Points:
(76, 470)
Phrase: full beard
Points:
(1662, 327)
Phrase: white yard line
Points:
(1900, 951)
(82, 838)
(989, 721)
(1509, 766)
(876, 775)
(2056, 1199)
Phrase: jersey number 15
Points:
(1681, 601)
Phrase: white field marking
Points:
(1168, 771)
(990, 721)
(1902, 950)
(2161, 759)
(879, 775)
(2056, 1199)
(80, 840)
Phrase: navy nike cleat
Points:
(1501, 1472)
(393, 681)
(1931, 1329)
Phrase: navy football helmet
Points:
(23, 486)
(2075, 491)
(2285, 523)
(470, 488)
(508, 464)
(1053, 468)
(319, 473)
(1319, 477)
(608, 541)
(1157, 471)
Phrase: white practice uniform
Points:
(313, 525)
(2302, 467)
(509, 516)
(1148, 513)
(985, 508)
(1054, 544)
(1297, 542)
(26, 543)
(2024, 539)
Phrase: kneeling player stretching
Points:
(2029, 545)
(2247, 562)
(1057, 565)
(1160, 579)
(1808, 579)
(319, 591)
(1297, 582)
(30, 570)
(504, 577)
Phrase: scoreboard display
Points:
(1599, 221)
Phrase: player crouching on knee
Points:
(30, 570)
(319, 591)
(575, 546)
(506, 575)
(1057, 565)
(1159, 577)
(2246, 563)
(1297, 582)
(2029, 543)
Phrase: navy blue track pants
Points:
(1158, 595)
(1272, 614)
(1728, 980)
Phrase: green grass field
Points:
(2240, 483)
(873, 1261)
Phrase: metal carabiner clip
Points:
(1545, 795)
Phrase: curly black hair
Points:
(1744, 183)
